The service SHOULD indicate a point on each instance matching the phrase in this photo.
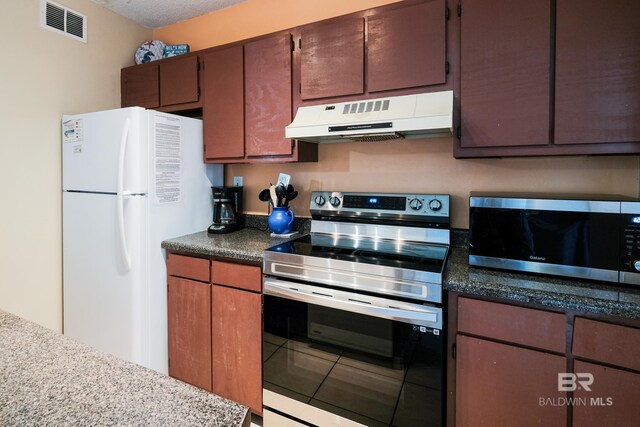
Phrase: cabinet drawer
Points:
(605, 342)
(518, 325)
(189, 267)
(240, 276)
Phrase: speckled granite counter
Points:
(246, 244)
(550, 291)
(47, 379)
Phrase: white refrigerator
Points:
(130, 178)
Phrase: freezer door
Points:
(105, 297)
(100, 148)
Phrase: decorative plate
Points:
(149, 51)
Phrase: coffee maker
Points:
(227, 203)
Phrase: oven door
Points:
(332, 357)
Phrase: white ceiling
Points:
(159, 13)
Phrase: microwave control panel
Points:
(630, 243)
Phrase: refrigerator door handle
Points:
(124, 249)
(123, 148)
(121, 194)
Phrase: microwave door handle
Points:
(323, 297)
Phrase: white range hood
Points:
(410, 116)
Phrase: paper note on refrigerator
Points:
(168, 160)
(72, 131)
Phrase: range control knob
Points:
(435, 205)
(320, 200)
(415, 204)
(335, 201)
(636, 265)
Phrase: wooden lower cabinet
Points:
(189, 315)
(215, 327)
(237, 345)
(501, 385)
(506, 359)
(612, 400)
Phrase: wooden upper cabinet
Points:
(505, 72)
(139, 86)
(168, 83)
(223, 106)
(332, 58)
(267, 68)
(597, 71)
(179, 81)
(406, 47)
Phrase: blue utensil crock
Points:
(281, 220)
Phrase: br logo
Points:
(568, 381)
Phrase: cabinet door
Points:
(406, 47)
(501, 385)
(607, 343)
(179, 81)
(223, 108)
(139, 87)
(267, 96)
(504, 70)
(189, 315)
(332, 59)
(237, 346)
(614, 397)
(597, 71)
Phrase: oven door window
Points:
(374, 371)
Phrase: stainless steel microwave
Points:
(580, 236)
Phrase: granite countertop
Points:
(248, 244)
(48, 379)
(595, 297)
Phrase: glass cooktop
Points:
(405, 255)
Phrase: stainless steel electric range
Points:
(353, 316)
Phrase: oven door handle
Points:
(415, 314)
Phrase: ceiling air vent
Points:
(63, 20)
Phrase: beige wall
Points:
(428, 166)
(45, 75)
(411, 166)
(254, 18)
